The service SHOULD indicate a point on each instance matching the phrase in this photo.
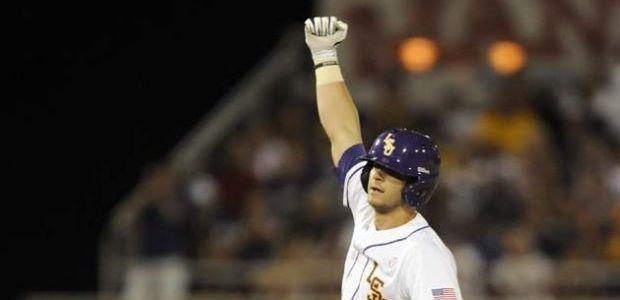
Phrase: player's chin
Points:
(381, 208)
(378, 204)
(374, 198)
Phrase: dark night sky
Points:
(103, 89)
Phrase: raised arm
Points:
(337, 111)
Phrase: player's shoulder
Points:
(428, 245)
(353, 172)
(429, 265)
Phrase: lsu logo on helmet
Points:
(388, 144)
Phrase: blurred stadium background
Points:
(523, 97)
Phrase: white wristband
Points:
(322, 56)
(328, 74)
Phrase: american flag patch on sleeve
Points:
(443, 294)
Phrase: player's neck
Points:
(394, 218)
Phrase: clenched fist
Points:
(323, 34)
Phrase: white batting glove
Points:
(323, 34)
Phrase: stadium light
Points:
(418, 54)
(507, 57)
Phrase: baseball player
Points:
(394, 253)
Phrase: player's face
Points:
(384, 190)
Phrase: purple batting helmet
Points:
(411, 155)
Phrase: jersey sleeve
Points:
(434, 277)
(349, 171)
(349, 158)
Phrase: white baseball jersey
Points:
(406, 262)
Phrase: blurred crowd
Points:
(530, 180)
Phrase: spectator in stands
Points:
(155, 220)
(522, 272)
